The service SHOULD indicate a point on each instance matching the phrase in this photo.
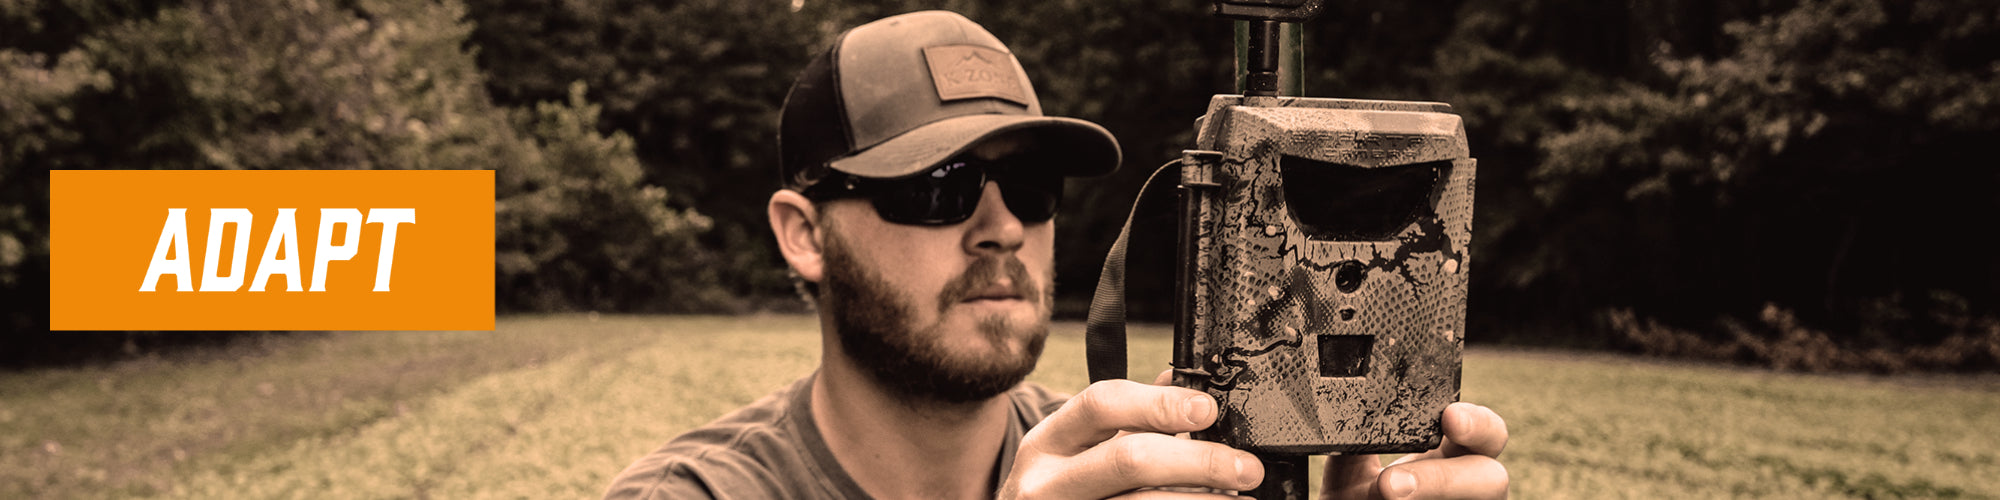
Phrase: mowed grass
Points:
(552, 407)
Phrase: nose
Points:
(993, 228)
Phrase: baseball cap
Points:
(899, 95)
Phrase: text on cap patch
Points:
(972, 71)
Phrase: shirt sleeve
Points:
(718, 474)
(671, 481)
(1037, 402)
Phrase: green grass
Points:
(552, 407)
(1600, 426)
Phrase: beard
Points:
(876, 329)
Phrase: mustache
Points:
(984, 273)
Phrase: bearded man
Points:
(921, 183)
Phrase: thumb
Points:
(1349, 477)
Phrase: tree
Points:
(696, 84)
(246, 84)
(579, 231)
(1820, 157)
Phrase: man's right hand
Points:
(1117, 437)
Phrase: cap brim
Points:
(1075, 148)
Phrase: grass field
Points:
(552, 407)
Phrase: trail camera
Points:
(1321, 274)
(1323, 261)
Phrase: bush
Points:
(1780, 341)
(370, 84)
(578, 231)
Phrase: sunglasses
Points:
(947, 194)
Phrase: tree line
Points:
(1791, 183)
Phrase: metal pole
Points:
(1257, 57)
(1292, 60)
(1286, 477)
(1270, 58)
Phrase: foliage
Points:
(245, 84)
(1779, 340)
(1816, 155)
(696, 84)
(36, 114)
(582, 232)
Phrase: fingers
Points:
(1470, 429)
(1469, 476)
(1464, 477)
(1418, 456)
(1114, 438)
(1190, 494)
(1349, 476)
(1164, 378)
(1133, 461)
(1464, 466)
(1147, 459)
(1106, 407)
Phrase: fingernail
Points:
(1398, 484)
(1200, 410)
(1456, 420)
(1246, 475)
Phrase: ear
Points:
(796, 223)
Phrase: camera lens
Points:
(1348, 276)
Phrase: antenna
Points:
(1265, 45)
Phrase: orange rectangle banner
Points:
(271, 250)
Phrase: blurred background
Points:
(1796, 184)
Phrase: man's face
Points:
(952, 313)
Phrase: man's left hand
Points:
(1465, 466)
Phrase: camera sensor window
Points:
(1332, 201)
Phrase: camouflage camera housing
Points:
(1324, 262)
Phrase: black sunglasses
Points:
(946, 194)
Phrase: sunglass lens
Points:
(1032, 198)
(945, 195)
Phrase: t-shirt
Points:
(772, 449)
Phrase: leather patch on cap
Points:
(972, 71)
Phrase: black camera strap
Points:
(1104, 330)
